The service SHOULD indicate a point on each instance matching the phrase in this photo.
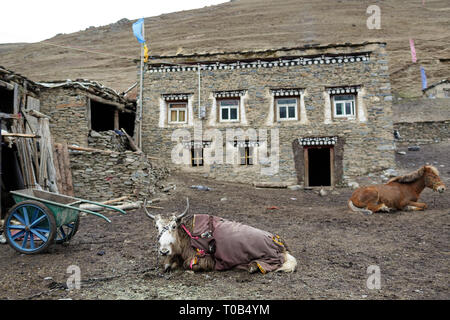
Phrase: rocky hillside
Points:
(246, 25)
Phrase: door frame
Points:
(306, 163)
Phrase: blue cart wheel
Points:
(67, 231)
(30, 227)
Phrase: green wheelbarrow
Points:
(41, 218)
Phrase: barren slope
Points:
(244, 25)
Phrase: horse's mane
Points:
(413, 176)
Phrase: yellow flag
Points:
(145, 52)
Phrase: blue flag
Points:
(424, 78)
(137, 30)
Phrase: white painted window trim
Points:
(178, 109)
(353, 101)
(229, 108)
(287, 106)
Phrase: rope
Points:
(84, 50)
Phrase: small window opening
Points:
(102, 116)
(126, 121)
(6, 101)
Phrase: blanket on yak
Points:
(235, 245)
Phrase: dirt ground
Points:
(333, 246)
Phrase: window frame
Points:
(170, 107)
(249, 155)
(277, 109)
(197, 161)
(238, 107)
(353, 107)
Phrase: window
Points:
(197, 157)
(246, 155)
(344, 105)
(246, 151)
(178, 112)
(229, 110)
(286, 109)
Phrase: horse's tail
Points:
(356, 209)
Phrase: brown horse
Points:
(399, 193)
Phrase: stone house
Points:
(315, 116)
(440, 89)
(80, 106)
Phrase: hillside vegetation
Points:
(247, 25)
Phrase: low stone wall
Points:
(108, 140)
(423, 132)
(99, 176)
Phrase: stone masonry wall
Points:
(67, 109)
(101, 176)
(422, 132)
(368, 140)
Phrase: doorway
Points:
(6, 101)
(319, 166)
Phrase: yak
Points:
(400, 193)
(203, 242)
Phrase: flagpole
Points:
(140, 88)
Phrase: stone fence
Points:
(422, 132)
(99, 176)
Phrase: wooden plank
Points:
(72, 147)
(38, 114)
(67, 170)
(16, 98)
(133, 146)
(270, 184)
(115, 200)
(332, 179)
(56, 159)
(20, 135)
(9, 116)
(88, 113)
(306, 165)
(108, 102)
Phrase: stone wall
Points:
(102, 176)
(67, 109)
(423, 132)
(368, 138)
(108, 140)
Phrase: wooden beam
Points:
(105, 101)
(9, 116)
(131, 141)
(116, 119)
(16, 98)
(6, 85)
(38, 114)
(77, 148)
(20, 135)
(306, 166)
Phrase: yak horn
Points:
(146, 212)
(185, 210)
